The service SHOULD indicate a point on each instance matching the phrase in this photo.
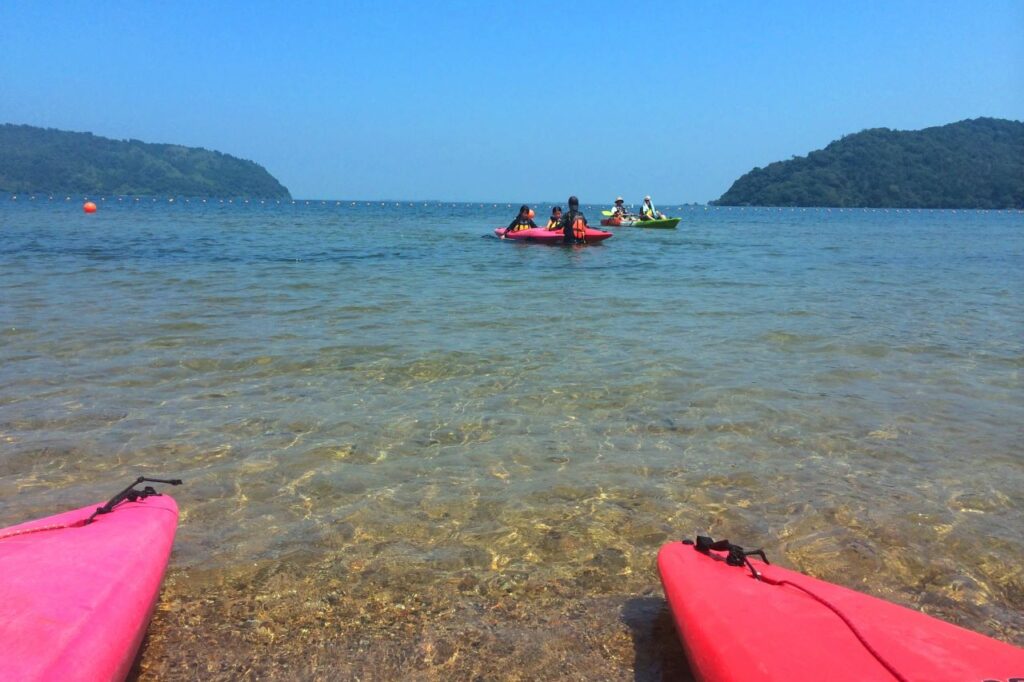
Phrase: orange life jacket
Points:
(579, 228)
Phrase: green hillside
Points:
(976, 163)
(45, 160)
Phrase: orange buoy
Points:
(531, 214)
(89, 207)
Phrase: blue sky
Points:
(508, 102)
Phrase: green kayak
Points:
(663, 223)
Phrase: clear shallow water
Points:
(413, 449)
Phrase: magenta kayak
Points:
(543, 235)
(76, 597)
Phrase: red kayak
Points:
(76, 596)
(740, 618)
(543, 235)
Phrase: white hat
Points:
(647, 198)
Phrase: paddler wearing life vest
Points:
(574, 224)
(556, 217)
(523, 221)
(619, 210)
(648, 212)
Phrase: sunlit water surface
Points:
(412, 450)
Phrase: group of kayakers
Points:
(647, 210)
(573, 224)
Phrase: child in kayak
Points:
(523, 221)
(556, 217)
(574, 224)
(648, 212)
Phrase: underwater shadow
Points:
(136, 670)
(657, 654)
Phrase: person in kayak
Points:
(556, 217)
(574, 224)
(648, 212)
(619, 210)
(523, 221)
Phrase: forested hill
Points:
(56, 161)
(977, 163)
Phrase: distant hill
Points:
(47, 160)
(976, 163)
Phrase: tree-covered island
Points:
(976, 163)
(45, 160)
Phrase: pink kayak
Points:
(740, 618)
(543, 235)
(76, 596)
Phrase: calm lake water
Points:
(414, 451)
